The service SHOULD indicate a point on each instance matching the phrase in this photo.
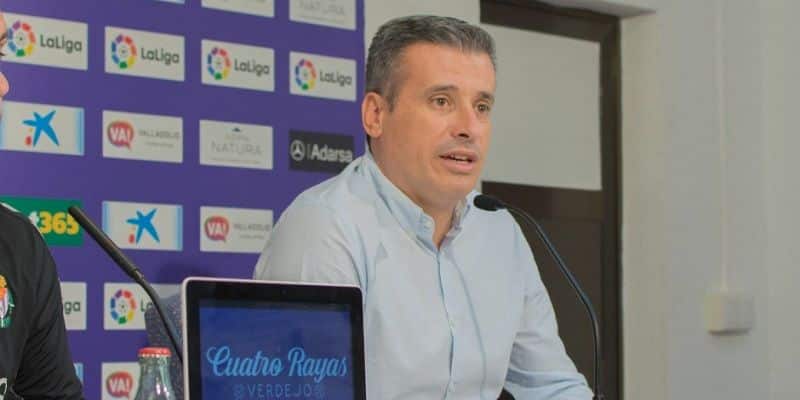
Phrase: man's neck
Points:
(442, 214)
(442, 224)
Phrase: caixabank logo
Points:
(148, 137)
(144, 226)
(324, 152)
(237, 65)
(42, 128)
(144, 54)
(50, 216)
(46, 41)
(234, 230)
(322, 76)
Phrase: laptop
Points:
(246, 339)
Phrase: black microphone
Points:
(489, 203)
(129, 268)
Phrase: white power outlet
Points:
(729, 312)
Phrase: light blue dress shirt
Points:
(457, 322)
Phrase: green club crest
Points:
(6, 303)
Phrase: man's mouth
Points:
(463, 157)
(460, 162)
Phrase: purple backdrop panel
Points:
(176, 125)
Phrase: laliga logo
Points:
(119, 384)
(120, 134)
(123, 51)
(219, 64)
(217, 228)
(305, 75)
(22, 39)
(123, 306)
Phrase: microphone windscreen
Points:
(488, 203)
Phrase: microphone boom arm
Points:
(587, 303)
(130, 269)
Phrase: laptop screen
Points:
(255, 340)
(275, 350)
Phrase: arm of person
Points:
(311, 243)
(540, 368)
(46, 371)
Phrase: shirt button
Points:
(452, 324)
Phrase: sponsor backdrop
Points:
(183, 128)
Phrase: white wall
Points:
(673, 189)
(780, 126)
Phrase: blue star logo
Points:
(144, 223)
(42, 125)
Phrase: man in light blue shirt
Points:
(454, 306)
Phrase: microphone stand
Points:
(130, 269)
(489, 203)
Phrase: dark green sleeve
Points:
(46, 371)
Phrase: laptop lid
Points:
(246, 339)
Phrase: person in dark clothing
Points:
(35, 361)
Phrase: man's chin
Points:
(460, 190)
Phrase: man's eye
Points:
(484, 108)
(440, 101)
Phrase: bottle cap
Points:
(154, 352)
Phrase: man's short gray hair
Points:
(394, 36)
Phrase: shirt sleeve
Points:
(540, 367)
(309, 244)
(46, 371)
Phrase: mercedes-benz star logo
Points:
(297, 150)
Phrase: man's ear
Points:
(373, 110)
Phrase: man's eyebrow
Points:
(486, 96)
(440, 88)
(482, 95)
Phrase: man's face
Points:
(3, 39)
(433, 143)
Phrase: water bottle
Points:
(154, 382)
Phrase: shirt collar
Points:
(411, 216)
